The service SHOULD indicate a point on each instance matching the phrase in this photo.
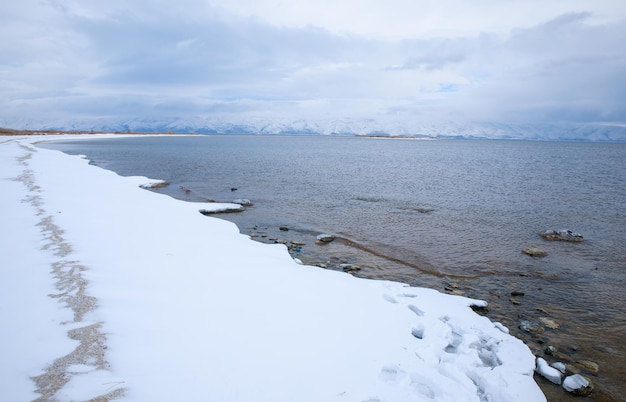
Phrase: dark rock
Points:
(552, 351)
(480, 309)
(349, 267)
(224, 210)
(284, 228)
(517, 293)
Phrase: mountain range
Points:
(597, 132)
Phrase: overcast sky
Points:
(485, 60)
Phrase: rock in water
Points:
(534, 252)
(549, 323)
(325, 238)
(529, 326)
(590, 366)
(550, 373)
(243, 201)
(564, 235)
(578, 385)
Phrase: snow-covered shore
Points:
(109, 289)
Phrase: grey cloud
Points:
(135, 59)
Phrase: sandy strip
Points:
(72, 292)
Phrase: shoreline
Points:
(513, 312)
(133, 258)
(506, 308)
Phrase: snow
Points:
(174, 305)
(560, 366)
(575, 382)
(550, 373)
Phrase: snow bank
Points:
(187, 308)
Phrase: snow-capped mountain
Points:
(367, 127)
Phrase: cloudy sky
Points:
(482, 60)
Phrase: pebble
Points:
(517, 293)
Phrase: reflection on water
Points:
(449, 214)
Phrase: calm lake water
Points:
(452, 214)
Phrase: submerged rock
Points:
(564, 235)
(578, 385)
(534, 252)
(549, 323)
(529, 326)
(588, 365)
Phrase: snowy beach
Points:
(109, 290)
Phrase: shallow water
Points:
(449, 214)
